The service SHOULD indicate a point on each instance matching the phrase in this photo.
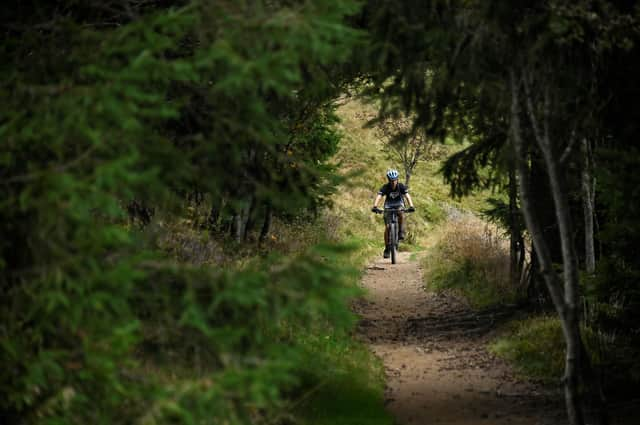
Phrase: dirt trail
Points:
(434, 352)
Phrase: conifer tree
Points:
(533, 70)
(105, 102)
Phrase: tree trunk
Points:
(541, 198)
(522, 252)
(214, 216)
(248, 219)
(514, 230)
(266, 224)
(570, 324)
(535, 278)
(588, 206)
(407, 174)
(238, 226)
(565, 301)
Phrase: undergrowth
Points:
(535, 346)
(345, 383)
(472, 258)
(362, 157)
(465, 254)
(332, 378)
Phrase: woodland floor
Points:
(433, 346)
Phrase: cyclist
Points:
(394, 193)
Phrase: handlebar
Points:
(380, 211)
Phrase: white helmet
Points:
(392, 174)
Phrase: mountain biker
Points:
(394, 193)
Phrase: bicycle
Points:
(394, 229)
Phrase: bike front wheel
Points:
(394, 242)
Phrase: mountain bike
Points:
(394, 229)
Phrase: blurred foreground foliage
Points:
(105, 102)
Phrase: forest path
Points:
(434, 351)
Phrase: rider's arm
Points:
(409, 199)
(377, 201)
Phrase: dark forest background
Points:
(121, 117)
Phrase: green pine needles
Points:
(105, 102)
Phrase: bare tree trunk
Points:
(588, 206)
(565, 301)
(238, 226)
(214, 214)
(248, 218)
(514, 231)
(535, 273)
(266, 224)
(571, 324)
(522, 253)
(542, 250)
(407, 151)
(244, 207)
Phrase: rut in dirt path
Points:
(434, 352)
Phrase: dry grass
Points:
(472, 257)
(470, 238)
(362, 153)
(361, 156)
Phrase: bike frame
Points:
(393, 231)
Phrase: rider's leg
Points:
(386, 242)
(386, 235)
(401, 224)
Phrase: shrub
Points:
(433, 212)
(536, 347)
(101, 107)
(472, 257)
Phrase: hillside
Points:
(361, 154)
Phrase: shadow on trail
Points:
(434, 350)
(457, 323)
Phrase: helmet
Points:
(392, 174)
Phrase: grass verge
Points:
(472, 258)
(535, 346)
(345, 382)
(362, 156)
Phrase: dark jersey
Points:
(394, 198)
